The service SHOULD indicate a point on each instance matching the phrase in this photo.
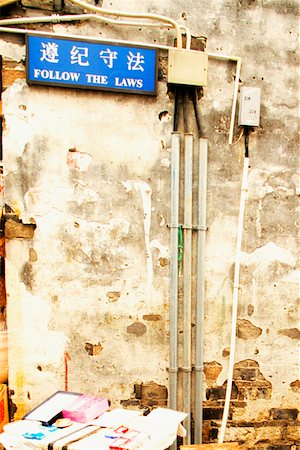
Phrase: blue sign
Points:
(91, 65)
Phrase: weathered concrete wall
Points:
(88, 173)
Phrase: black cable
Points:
(185, 109)
(176, 110)
(246, 133)
(197, 113)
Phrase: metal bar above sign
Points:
(88, 64)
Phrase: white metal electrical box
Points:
(187, 67)
(249, 110)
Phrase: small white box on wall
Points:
(249, 110)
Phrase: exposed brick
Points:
(215, 393)
(224, 446)
(40, 4)
(283, 413)
(32, 255)
(138, 391)
(276, 446)
(213, 413)
(131, 402)
(254, 390)
(247, 374)
(250, 382)
(226, 352)
(154, 394)
(292, 333)
(246, 363)
(212, 370)
(11, 72)
(93, 349)
(148, 395)
(137, 328)
(152, 317)
(18, 230)
(295, 385)
(2, 292)
(2, 246)
(292, 431)
(246, 330)
(113, 296)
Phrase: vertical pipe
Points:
(234, 101)
(235, 299)
(201, 234)
(187, 281)
(173, 363)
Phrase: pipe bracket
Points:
(186, 369)
(200, 228)
(172, 370)
(194, 227)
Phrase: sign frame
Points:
(49, 83)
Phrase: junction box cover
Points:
(188, 67)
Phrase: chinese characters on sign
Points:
(88, 64)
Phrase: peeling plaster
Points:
(40, 199)
(79, 160)
(258, 187)
(165, 162)
(85, 195)
(163, 251)
(91, 242)
(145, 191)
(258, 219)
(12, 51)
(268, 254)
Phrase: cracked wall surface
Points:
(87, 181)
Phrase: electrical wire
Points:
(236, 288)
(185, 95)
(156, 17)
(240, 137)
(56, 18)
(246, 132)
(176, 110)
(197, 112)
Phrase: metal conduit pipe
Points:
(56, 18)
(187, 282)
(174, 215)
(201, 239)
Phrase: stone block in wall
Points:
(2, 292)
(279, 445)
(212, 370)
(148, 395)
(250, 382)
(39, 4)
(73, 9)
(254, 390)
(292, 432)
(214, 413)
(283, 414)
(224, 446)
(12, 71)
(153, 394)
(17, 230)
